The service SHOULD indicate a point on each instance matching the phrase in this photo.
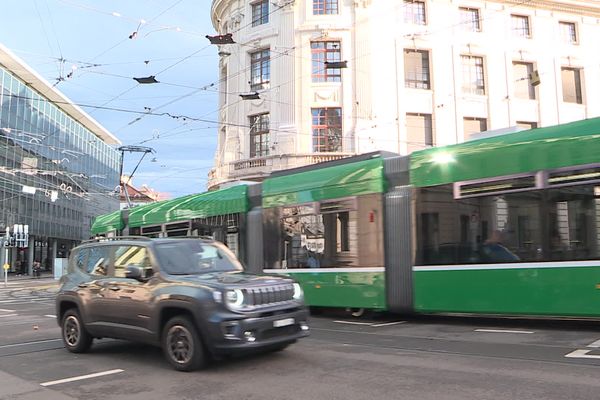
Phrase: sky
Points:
(84, 47)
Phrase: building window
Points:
(327, 129)
(571, 85)
(259, 135)
(414, 12)
(419, 131)
(325, 51)
(416, 69)
(473, 78)
(568, 32)
(323, 7)
(520, 25)
(260, 67)
(527, 125)
(473, 125)
(469, 19)
(260, 12)
(522, 74)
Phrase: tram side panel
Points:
(524, 253)
(333, 248)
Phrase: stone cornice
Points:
(581, 7)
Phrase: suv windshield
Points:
(187, 257)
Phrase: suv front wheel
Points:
(75, 337)
(182, 345)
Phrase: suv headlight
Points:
(234, 298)
(298, 293)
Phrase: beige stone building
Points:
(342, 77)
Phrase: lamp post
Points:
(18, 238)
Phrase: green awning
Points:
(575, 143)
(108, 222)
(352, 179)
(220, 202)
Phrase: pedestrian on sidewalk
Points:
(37, 269)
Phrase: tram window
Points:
(541, 225)
(341, 233)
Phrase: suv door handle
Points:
(84, 285)
(113, 287)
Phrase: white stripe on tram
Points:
(461, 267)
(467, 267)
(320, 270)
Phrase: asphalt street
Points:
(373, 357)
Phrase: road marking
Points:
(50, 316)
(28, 343)
(352, 322)
(501, 331)
(81, 377)
(581, 354)
(387, 324)
(596, 344)
(8, 315)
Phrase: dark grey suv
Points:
(188, 295)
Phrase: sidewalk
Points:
(18, 277)
(19, 389)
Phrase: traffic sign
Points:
(6, 266)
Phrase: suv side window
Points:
(131, 255)
(98, 260)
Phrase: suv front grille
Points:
(267, 295)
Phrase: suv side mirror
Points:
(135, 272)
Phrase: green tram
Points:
(505, 225)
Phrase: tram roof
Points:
(329, 181)
(219, 202)
(108, 222)
(558, 146)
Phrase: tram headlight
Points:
(234, 298)
(298, 293)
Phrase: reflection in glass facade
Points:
(73, 171)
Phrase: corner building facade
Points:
(400, 75)
(59, 168)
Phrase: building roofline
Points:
(35, 81)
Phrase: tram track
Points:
(23, 348)
(546, 353)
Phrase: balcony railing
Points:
(257, 168)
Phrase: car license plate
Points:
(283, 322)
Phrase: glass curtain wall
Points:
(55, 174)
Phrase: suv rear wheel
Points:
(75, 337)
(182, 345)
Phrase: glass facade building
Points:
(58, 167)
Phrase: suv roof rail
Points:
(190, 237)
(115, 238)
